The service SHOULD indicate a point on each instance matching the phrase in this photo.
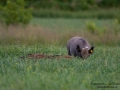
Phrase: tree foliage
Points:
(14, 12)
(73, 5)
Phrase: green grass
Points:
(57, 74)
(61, 24)
(99, 13)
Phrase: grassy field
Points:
(58, 74)
(49, 36)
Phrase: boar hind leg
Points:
(69, 52)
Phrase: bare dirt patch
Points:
(41, 56)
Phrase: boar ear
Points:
(78, 48)
(91, 50)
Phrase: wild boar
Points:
(79, 47)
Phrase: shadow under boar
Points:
(79, 47)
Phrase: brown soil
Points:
(41, 56)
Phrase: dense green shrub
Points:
(16, 13)
(91, 27)
(3, 2)
(94, 29)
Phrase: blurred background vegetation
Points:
(69, 8)
(96, 20)
(71, 5)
